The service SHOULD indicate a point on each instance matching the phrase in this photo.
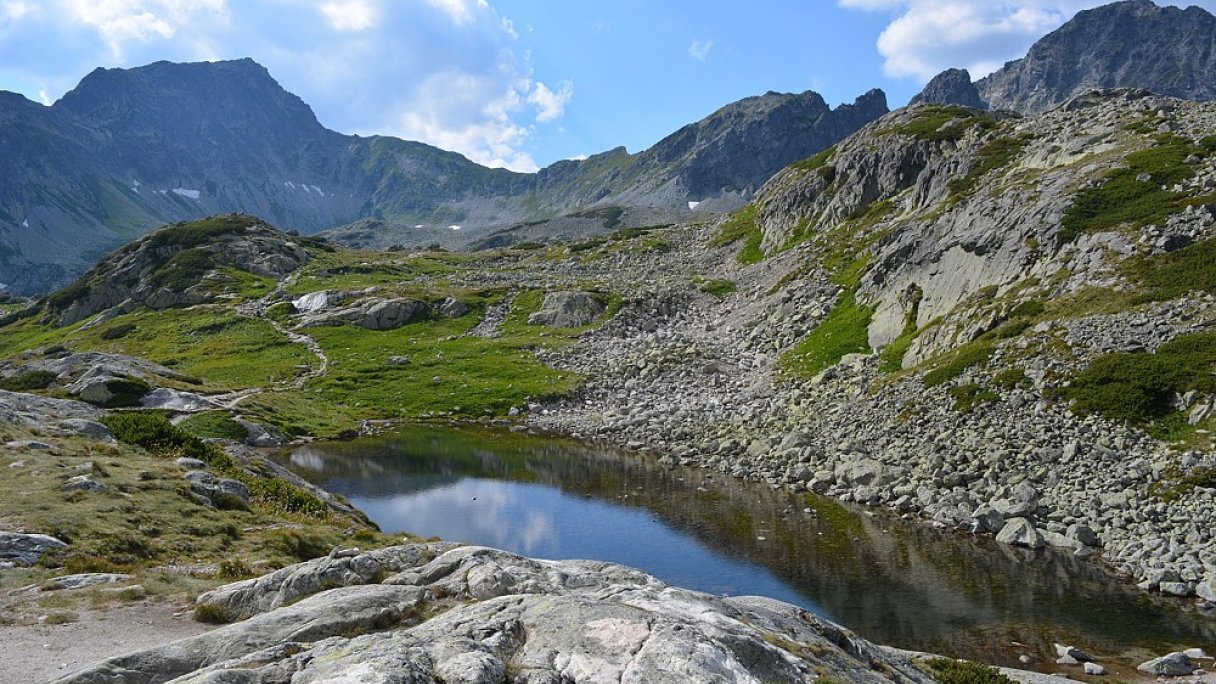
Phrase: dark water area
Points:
(893, 581)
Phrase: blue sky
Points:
(524, 83)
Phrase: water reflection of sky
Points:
(544, 522)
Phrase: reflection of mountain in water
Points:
(894, 582)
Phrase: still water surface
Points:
(893, 582)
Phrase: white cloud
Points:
(470, 114)
(350, 15)
(551, 105)
(460, 11)
(928, 36)
(699, 50)
(122, 22)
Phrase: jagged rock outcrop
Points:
(1129, 44)
(474, 614)
(952, 86)
(960, 200)
(177, 266)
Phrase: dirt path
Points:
(43, 653)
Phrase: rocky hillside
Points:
(1126, 44)
(182, 265)
(130, 149)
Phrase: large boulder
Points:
(26, 549)
(476, 615)
(394, 313)
(569, 310)
(1020, 532)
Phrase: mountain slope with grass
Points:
(993, 323)
(128, 150)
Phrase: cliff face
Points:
(1129, 44)
(948, 202)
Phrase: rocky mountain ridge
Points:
(1126, 44)
(131, 149)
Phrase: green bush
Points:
(154, 432)
(1171, 275)
(117, 332)
(717, 288)
(64, 298)
(950, 671)
(967, 356)
(183, 269)
(815, 162)
(195, 233)
(214, 424)
(967, 397)
(1139, 388)
(1123, 198)
(33, 380)
(124, 392)
(1010, 378)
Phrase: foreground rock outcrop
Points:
(424, 613)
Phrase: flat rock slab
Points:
(473, 615)
(83, 580)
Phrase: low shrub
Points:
(950, 671)
(33, 380)
(967, 356)
(1139, 388)
(117, 332)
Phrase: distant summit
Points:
(128, 150)
(1128, 44)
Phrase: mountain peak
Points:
(169, 90)
(1127, 44)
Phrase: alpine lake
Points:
(893, 581)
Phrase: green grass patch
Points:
(956, 362)
(183, 270)
(815, 161)
(214, 424)
(996, 154)
(968, 397)
(1010, 378)
(26, 382)
(448, 372)
(717, 288)
(1139, 388)
(1172, 275)
(843, 331)
(941, 123)
(218, 346)
(153, 432)
(742, 226)
(195, 233)
(1123, 198)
